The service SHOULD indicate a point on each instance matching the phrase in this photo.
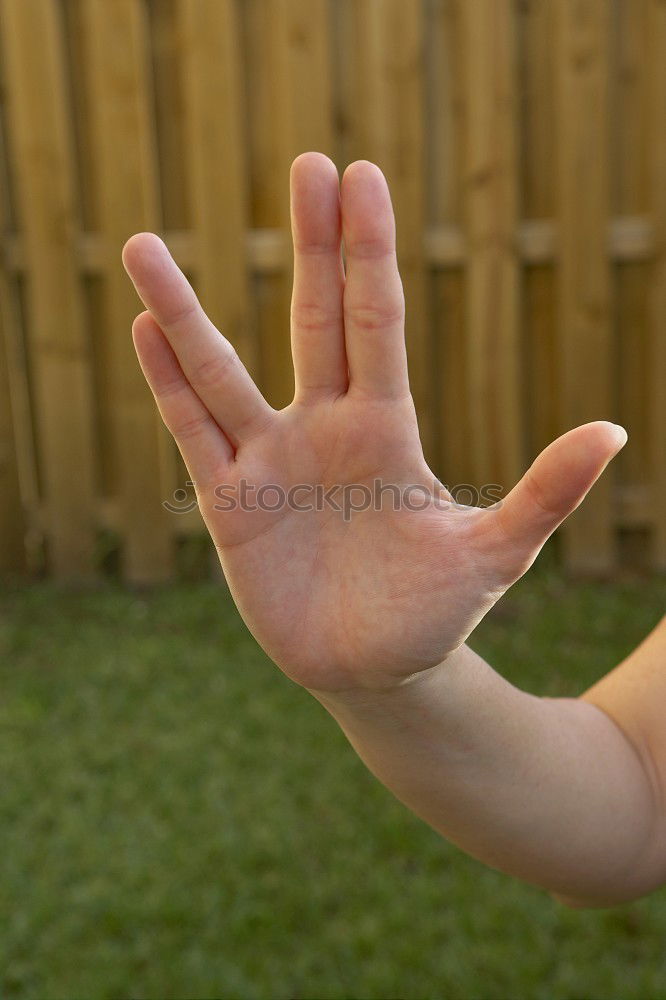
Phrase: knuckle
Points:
(370, 249)
(316, 249)
(313, 316)
(181, 316)
(213, 370)
(375, 317)
(168, 389)
(534, 489)
(186, 429)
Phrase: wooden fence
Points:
(525, 148)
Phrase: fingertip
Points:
(620, 435)
(142, 325)
(138, 246)
(311, 158)
(609, 438)
(365, 166)
(147, 335)
(598, 436)
(369, 173)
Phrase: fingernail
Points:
(620, 434)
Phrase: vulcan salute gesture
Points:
(371, 612)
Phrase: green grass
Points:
(177, 819)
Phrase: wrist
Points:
(411, 693)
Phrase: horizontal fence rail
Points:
(525, 149)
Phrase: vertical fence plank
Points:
(216, 151)
(41, 149)
(169, 52)
(12, 540)
(585, 344)
(167, 43)
(444, 184)
(291, 112)
(13, 555)
(389, 126)
(629, 196)
(537, 188)
(265, 92)
(303, 121)
(116, 47)
(22, 506)
(493, 306)
(657, 320)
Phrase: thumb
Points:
(556, 483)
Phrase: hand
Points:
(371, 600)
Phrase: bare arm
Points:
(371, 612)
(564, 793)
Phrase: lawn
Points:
(179, 820)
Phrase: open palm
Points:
(342, 551)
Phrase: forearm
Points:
(548, 790)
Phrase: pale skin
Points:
(371, 615)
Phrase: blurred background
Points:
(524, 145)
(147, 848)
